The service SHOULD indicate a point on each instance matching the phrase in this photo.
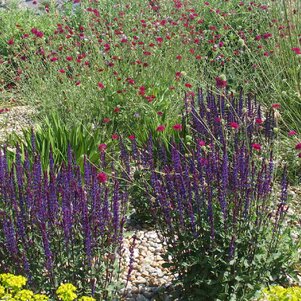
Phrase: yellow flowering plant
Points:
(12, 289)
(279, 293)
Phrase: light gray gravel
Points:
(149, 281)
(14, 120)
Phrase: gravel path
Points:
(149, 281)
(14, 120)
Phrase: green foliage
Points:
(260, 258)
(54, 135)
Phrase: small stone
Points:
(148, 295)
(140, 280)
(141, 297)
(135, 290)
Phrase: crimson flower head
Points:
(258, 121)
(102, 177)
(188, 85)
(160, 113)
(160, 128)
(297, 50)
(256, 146)
(102, 147)
(141, 90)
(177, 127)
(100, 85)
(132, 137)
(292, 133)
(234, 125)
(11, 42)
(298, 146)
(299, 155)
(221, 82)
(276, 106)
(202, 143)
(116, 110)
(115, 136)
(106, 120)
(39, 34)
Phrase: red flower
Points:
(116, 110)
(150, 98)
(256, 146)
(298, 146)
(178, 74)
(102, 147)
(276, 106)
(299, 155)
(234, 125)
(132, 137)
(178, 57)
(69, 58)
(177, 127)
(292, 133)
(115, 136)
(130, 81)
(141, 90)
(159, 113)
(39, 34)
(202, 143)
(54, 59)
(102, 177)
(106, 120)
(258, 121)
(220, 83)
(297, 50)
(160, 128)
(101, 85)
(10, 42)
(188, 85)
(62, 71)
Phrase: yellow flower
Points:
(279, 293)
(66, 292)
(2, 290)
(8, 297)
(40, 297)
(24, 295)
(13, 282)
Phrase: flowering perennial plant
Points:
(59, 225)
(213, 200)
(279, 293)
(11, 289)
